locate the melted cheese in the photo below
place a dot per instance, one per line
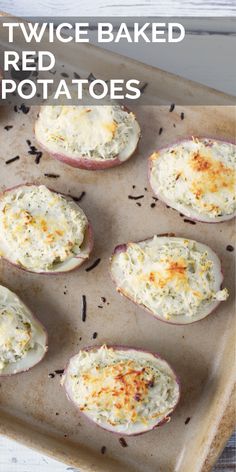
(198, 175)
(173, 277)
(40, 228)
(15, 334)
(124, 389)
(93, 132)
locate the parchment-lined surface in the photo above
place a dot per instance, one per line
(202, 354)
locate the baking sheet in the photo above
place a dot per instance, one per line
(34, 407)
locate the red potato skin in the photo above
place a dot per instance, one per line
(187, 138)
(122, 248)
(81, 260)
(84, 163)
(46, 345)
(125, 348)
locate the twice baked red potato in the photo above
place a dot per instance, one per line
(88, 137)
(23, 339)
(43, 231)
(122, 389)
(177, 280)
(196, 177)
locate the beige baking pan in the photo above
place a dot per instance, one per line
(34, 409)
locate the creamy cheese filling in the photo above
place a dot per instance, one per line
(122, 388)
(171, 276)
(16, 334)
(97, 132)
(197, 174)
(39, 228)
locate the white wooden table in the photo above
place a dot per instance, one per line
(120, 7)
(13, 456)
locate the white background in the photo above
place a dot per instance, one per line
(13, 456)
